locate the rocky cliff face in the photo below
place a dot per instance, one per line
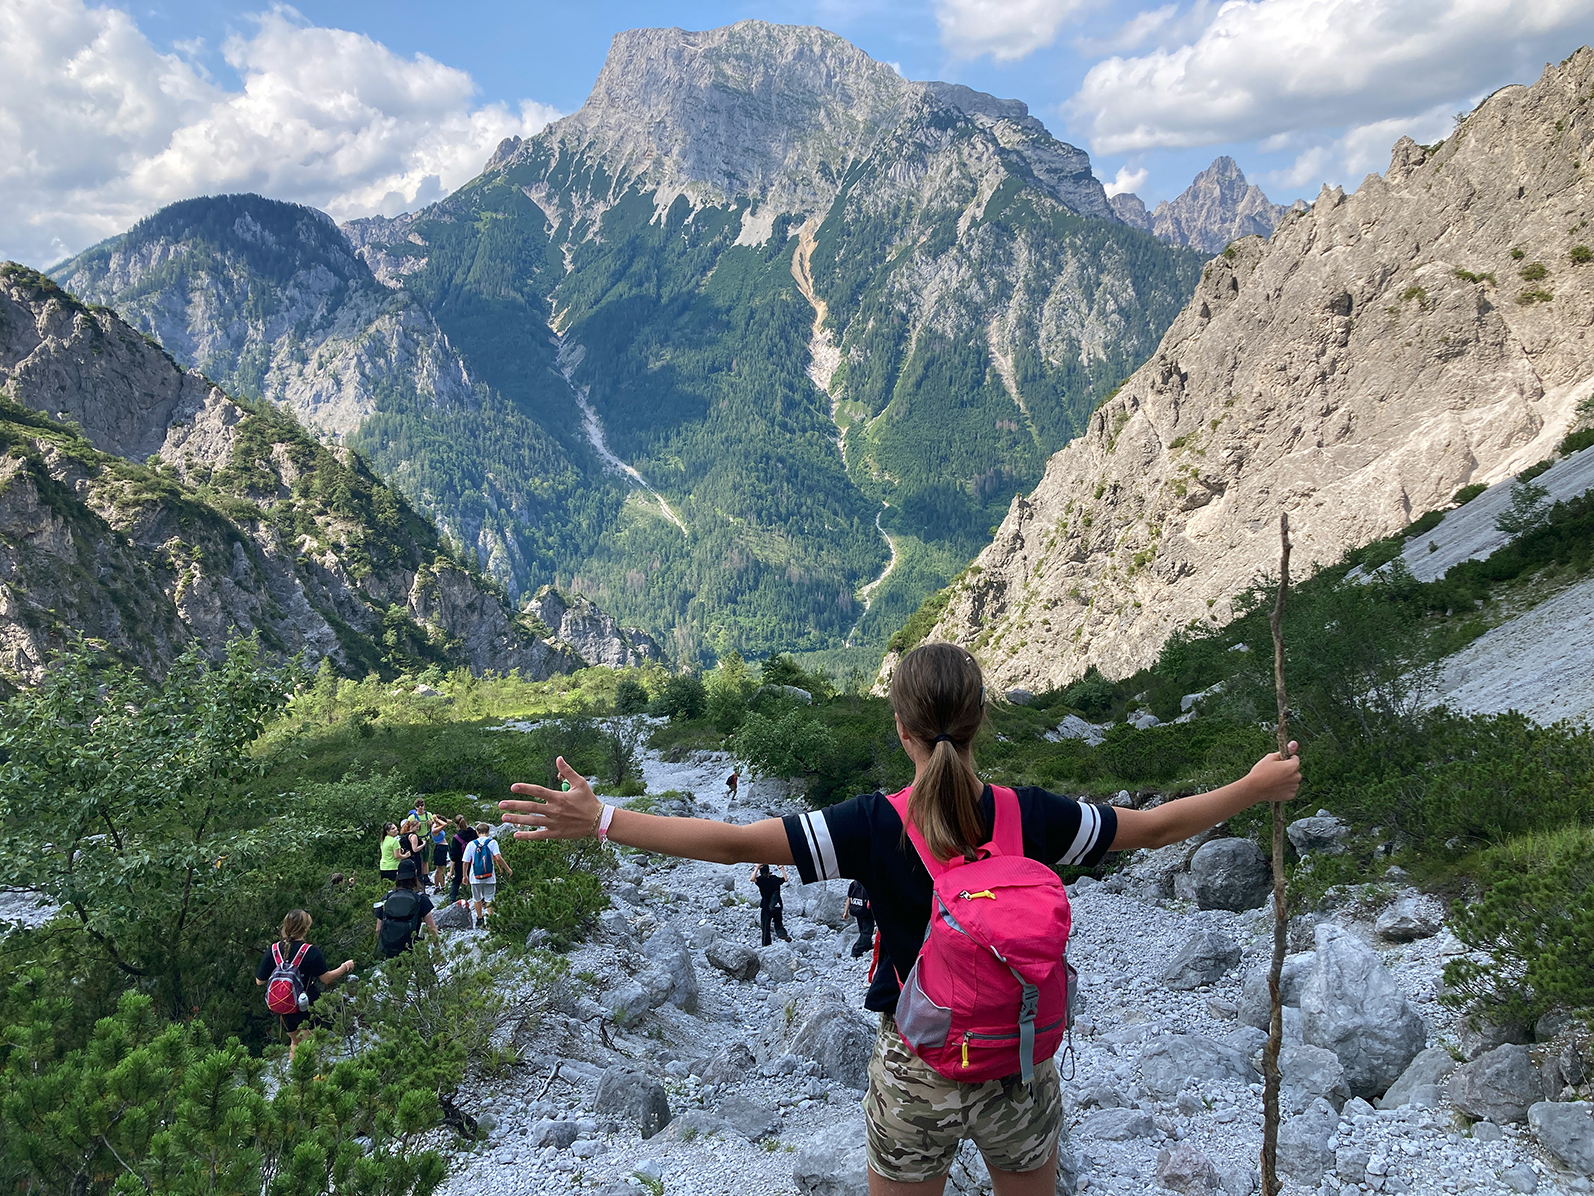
(591, 631)
(1381, 351)
(1219, 206)
(165, 511)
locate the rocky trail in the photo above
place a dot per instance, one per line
(692, 1061)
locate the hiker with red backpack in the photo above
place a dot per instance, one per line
(294, 972)
(972, 985)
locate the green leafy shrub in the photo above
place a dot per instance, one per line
(1581, 255)
(1529, 509)
(1533, 271)
(557, 887)
(1575, 442)
(1534, 470)
(1468, 492)
(683, 698)
(629, 696)
(790, 744)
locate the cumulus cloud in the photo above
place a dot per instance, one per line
(1127, 180)
(1004, 29)
(1360, 150)
(1261, 67)
(98, 128)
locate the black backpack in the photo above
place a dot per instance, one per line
(401, 918)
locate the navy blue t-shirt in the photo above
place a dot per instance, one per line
(862, 840)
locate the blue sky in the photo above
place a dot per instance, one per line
(108, 111)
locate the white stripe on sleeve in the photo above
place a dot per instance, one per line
(819, 842)
(1085, 840)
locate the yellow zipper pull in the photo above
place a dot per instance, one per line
(965, 1050)
(968, 896)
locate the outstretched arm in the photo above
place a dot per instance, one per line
(574, 813)
(1271, 780)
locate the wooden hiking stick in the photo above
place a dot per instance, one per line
(1275, 1025)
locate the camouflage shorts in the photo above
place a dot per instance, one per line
(916, 1117)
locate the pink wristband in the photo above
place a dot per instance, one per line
(603, 823)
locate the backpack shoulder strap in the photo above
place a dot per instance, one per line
(899, 803)
(304, 949)
(276, 954)
(1008, 834)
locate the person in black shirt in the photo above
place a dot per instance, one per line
(938, 695)
(312, 969)
(401, 914)
(770, 906)
(858, 907)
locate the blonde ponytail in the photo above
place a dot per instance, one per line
(938, 694)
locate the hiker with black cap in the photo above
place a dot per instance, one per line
(401, 914)
(858, 907)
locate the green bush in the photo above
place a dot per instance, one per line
(1529, 509)
(1581, 255)
(1534, 271)
(1575, 442)
(684, 698)
(557, 887)
(629, 696)
(147, 1105)
(1468, 492)
(1535, 922)
(787, 745)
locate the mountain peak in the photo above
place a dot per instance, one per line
(778, 113)
(1217, 207)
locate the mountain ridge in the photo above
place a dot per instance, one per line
(1289, 383)
(1217, 207)
(143, 507)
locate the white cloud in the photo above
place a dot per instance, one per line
(1127, 180)
(98, 128)
(1361, 150)
(1262, 67)
(1004, 29)
(1134, 32)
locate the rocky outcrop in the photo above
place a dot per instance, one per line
(1219, 206)
(271, 300)
(166, 512)
(1381, 351)
(591, 631)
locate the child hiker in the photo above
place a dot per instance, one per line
(908, 851)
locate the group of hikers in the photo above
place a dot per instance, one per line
(956, 894)
(294, 972)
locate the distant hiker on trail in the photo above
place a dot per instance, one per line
(387, 862)
(770, 906)
(949, 1063)
(731, 782)
(483, 861)
(858, 907)
(293, 972)
(464, 833)
(401, 914)
(440, 832)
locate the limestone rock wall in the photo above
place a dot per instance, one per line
(1382, 350)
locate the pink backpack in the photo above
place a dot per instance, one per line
(989, 993)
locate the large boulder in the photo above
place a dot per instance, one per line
(1254, 1001)
(736, 960)
(1310, 1072)
(456, 916)
(1411, 917)
(1352, 1006)
(1431, 1068)
(1118, 1125)
(1230, 874)
(548, 1132)
(672, 958)
(634, 1097)
(1322, 834)
(777, 962)
(833, 1162)
(1186, 1170)
(1566, 1130)
(824, 1027)
(731, 1065)
(1499, 1086)
(1303, 1151)
(749, 1118)
(1205, 959)
(1168, 1064)
(826, 904)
